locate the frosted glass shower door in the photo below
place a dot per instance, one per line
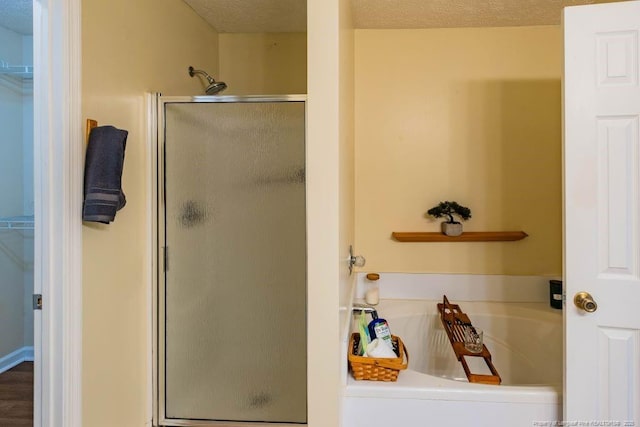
(234, 321)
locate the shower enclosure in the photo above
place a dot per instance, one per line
(231, 291)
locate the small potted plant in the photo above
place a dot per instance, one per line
(449, 209)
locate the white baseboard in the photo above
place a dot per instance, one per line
(24, 354)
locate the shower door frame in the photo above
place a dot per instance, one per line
(157, 123)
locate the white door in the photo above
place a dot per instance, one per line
(602, 212)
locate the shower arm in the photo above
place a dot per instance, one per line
(213, 87)
(193, 72)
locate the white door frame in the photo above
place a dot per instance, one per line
(58, 149)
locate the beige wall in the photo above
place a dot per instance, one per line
(329, 210)
(263, 63)
(471, 115)
(129, 48)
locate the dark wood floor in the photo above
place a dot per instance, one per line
(16, 396)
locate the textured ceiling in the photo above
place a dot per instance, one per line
(17, 15)
(251, 16)
(459, 13)
(272, 16)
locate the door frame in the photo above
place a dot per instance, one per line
(58, 184)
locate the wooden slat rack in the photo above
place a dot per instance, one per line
(455, 321)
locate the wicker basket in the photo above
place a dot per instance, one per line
(377, 369)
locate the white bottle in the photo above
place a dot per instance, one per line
(372, 295)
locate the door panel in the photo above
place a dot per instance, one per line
(618, 350)
(602, 207)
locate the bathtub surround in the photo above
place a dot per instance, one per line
(458, 287)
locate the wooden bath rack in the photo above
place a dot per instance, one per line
(455, 322)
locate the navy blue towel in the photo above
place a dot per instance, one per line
(103, 165)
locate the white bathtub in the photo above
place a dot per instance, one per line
(525, 340)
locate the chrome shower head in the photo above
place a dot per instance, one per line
(214, 87)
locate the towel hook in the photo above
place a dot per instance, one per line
(90, 125)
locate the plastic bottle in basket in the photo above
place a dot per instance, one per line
(379, 328)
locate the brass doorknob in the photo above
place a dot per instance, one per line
(584, 301)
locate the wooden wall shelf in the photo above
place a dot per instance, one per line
(471, 236)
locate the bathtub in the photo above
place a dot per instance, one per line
(525, 340)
